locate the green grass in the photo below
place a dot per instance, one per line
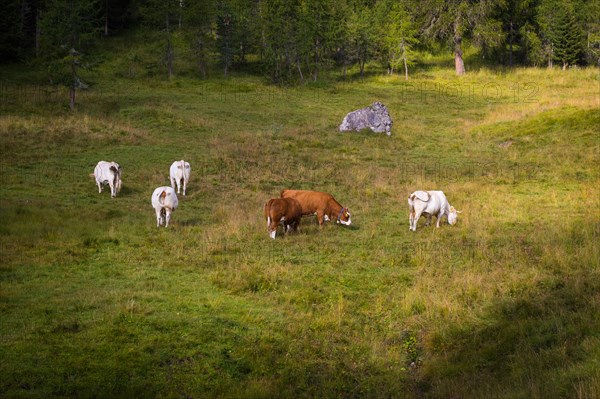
(95, 301)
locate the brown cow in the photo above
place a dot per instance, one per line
(286, 210)
(321, 204)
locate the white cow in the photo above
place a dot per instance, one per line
(430, 203)
(180, 174)
(108, 173)
(164, 202)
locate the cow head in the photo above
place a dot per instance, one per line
(344, 217)
(453, 216)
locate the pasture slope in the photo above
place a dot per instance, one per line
(95, 301)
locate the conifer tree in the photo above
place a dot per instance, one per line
(453, 20)
(163, 15)
(198, 20)
(362, 31)
(399, 37)
(566, 37)
(68, 29)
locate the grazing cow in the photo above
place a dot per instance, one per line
(164, 202)
(285, 210)
(180, 174)
(321, 204)
(430, 203)
(108, 173)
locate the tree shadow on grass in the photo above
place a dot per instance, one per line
(543, 344)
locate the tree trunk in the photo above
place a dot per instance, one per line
(361, 64)
(405, 61)
(170, 58)
(317, 59)
(510, 45)
(106, 18)
(307, 60)
(459, 64)
(169, 50)
(202, 66)
(73, 85)
(299, 70)
(38, 31)
(200, 55)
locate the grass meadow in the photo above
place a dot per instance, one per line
(95, 301)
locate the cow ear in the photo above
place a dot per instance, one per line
(458, 211)
(452, 209)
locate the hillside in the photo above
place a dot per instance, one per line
(96, 301)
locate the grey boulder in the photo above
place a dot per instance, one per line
(375, 117)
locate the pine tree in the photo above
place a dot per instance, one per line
(163, 15)
(361, 34)
(198, 20)
(453, 20)
(399, 37)
(316, 22)
(588, 14)
(280, 31)
(68, 28)
(566, 37)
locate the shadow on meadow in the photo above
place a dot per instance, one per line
(544, 342)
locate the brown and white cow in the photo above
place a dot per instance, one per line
(282, 210)
(321, 204)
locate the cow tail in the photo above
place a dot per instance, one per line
(411, 202)
(115, 175)
(268, 212)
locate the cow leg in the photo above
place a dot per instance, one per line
(273, 230)
(416, 219)
(439, 218)
(411, 219)
(272, 227)
(158, 217)
(184, 186)
(167, 216)
(428, 222)
(99, 186)
(291, 226)
(320, 217)
(112, 190)
(172, 183)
